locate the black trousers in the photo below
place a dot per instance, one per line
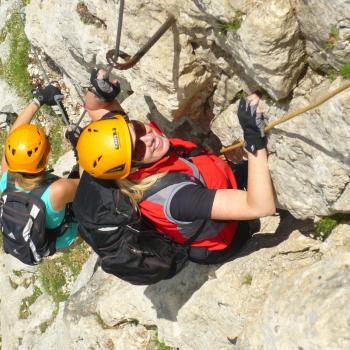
(205, 256)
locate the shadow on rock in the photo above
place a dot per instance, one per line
(287, 225)
(169, 296)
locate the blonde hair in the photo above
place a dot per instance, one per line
(28, 182)
(135, 189)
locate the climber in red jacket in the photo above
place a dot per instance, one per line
(181, 189)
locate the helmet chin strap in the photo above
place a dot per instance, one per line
(137, 165)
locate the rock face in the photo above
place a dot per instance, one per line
(214, 51)
(303, 317)
(284, 290)
(326, 28)
(10, 103)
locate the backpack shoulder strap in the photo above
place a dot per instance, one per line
(170, 179)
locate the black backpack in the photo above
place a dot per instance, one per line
(126, 245)
(22, 219)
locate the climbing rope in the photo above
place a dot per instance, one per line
(292, 115)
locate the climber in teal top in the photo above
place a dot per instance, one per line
(23, 164)
(54, 218)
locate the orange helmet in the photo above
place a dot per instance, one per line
(104, 148)
(27, 149)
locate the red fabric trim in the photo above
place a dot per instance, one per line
(216, 174)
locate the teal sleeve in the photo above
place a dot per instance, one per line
(3, 182)
(53, 217)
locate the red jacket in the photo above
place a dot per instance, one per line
(213, 172)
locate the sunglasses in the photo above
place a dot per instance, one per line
(139, 150)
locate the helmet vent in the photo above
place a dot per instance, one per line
(92, 130)
(116, 169)
(13, 151)
(96, 161)
(36, 149)
(29, 153)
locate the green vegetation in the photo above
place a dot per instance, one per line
(56, 137)
(54, 272)
(3, 135)
(247, 279)
(13, 284)
(231, 26)
(325, 226)
(156, 343)
(14, 71)
(45, 325)
(25, 282)
(333, 36)
(332, 74)
(27, 302)
(239, 95)
(17, 273)
(53, 278)
(101, 322)
(343, 71)
(160, 345)
(76, 257)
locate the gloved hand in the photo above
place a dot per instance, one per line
(102, 87)
(73, 136)
(252, 123)
(47, 95)
(74, 173)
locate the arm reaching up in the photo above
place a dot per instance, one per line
(258, 200)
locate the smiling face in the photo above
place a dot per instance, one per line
(148, 145)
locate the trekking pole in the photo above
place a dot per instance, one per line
(59, 98)
(294, 114)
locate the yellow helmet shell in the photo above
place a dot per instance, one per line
(104, 148)
(27, 149)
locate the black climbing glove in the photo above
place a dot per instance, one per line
(74, 173)
(103, 88)
(252, 123)
(47, 95)
(72, 135)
